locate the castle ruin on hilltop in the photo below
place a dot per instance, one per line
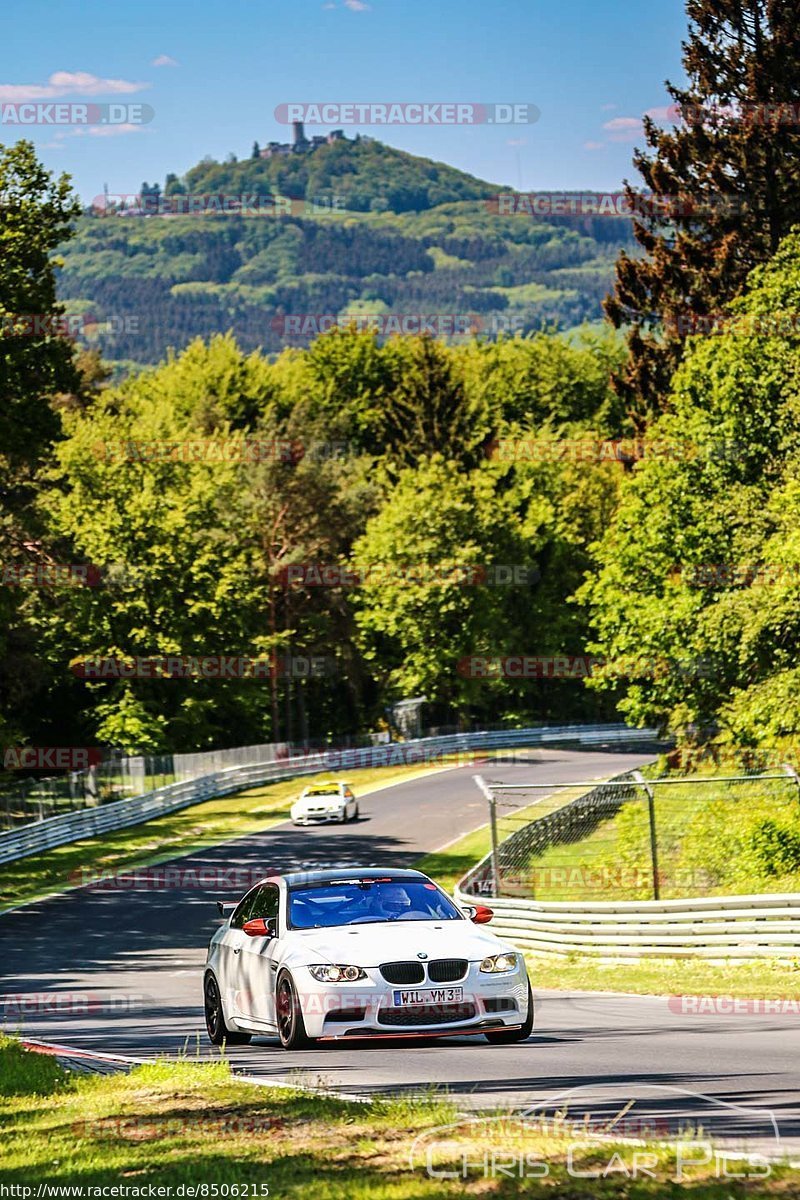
(300, 144)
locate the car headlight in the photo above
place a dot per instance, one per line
(337, 973)
(499, 964)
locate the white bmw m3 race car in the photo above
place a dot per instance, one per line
(360, 954)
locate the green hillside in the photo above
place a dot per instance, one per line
(441, 250)
(361, 176)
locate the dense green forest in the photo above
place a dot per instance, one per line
(402, 236)
(491, 521)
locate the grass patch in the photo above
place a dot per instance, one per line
(173, 1124)
(174, 835)
(762, 979)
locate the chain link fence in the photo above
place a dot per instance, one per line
(633, 838)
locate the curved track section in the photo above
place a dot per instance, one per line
(126, 964)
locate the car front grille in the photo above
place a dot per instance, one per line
(403, 972)
(429, 1014)
(447, 970)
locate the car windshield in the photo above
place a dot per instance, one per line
(323, 791)
(325, 905)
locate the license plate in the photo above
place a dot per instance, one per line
(445, 995)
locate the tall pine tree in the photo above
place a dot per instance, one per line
(725, 184)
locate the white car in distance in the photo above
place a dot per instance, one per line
(321, 803)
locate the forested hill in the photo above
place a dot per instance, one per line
(415, 239)
(361, 176)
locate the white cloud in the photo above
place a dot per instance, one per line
(100, 130)
(164, 60)
(357, 5)
(594, 145)
(624, 129)
(67, 83)
(607, 107)
(619, 123)
(113, 130)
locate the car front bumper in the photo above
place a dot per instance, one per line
(319, 818)
(368, 1009)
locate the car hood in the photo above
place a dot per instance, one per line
(319, 802)
(369, 945)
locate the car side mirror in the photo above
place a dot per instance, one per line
(259, 927)
(479, 914)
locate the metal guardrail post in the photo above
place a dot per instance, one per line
(481, 782)
(790, 771)
(651, 813)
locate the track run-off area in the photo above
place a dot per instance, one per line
(137, 954)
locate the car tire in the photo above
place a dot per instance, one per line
(218, 1032)
(289, 1015)
(505, 1037)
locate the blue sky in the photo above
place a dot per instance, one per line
(214, 73)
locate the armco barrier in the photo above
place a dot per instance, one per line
(710, 927)
(702, 927)
(120, 814)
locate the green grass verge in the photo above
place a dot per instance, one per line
(179, 1124)
(173, 835)
(761, 979)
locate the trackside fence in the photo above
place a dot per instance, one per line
(52, 831)
(576, 872)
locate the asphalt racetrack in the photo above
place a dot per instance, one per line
(138, 955)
